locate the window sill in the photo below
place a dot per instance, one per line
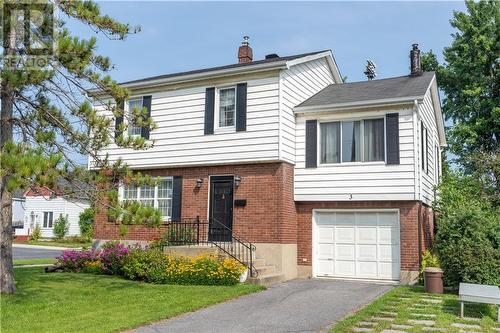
(222, 130)
(351, 164)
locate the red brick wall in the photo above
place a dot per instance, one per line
(268, 217)
(408, 228)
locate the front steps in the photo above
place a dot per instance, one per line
(266, 274)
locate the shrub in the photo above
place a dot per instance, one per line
(86, 220)
(92, 267)
(145, 265)
(37, 233)
(76, 261)
(428, 260)
(113, 255)
(203, 270)
(468, 232)
(61, 227)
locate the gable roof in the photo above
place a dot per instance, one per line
(258, 65)
(403, 88)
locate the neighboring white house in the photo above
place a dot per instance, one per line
(43, 208)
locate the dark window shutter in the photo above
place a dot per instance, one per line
(176, 198)
(426, 151)
(119, 119)
(209, 110)
(392, 137)
(146, 103)
(422, 144)
(311, 143)
(241, 107)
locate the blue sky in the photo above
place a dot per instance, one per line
(178, 36)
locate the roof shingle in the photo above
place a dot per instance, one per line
(365, 91)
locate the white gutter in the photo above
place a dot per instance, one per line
(358, 104)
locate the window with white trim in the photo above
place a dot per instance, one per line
(352, 141)
(226, 114)
(133, 129)
(48, 218)
(158, 196)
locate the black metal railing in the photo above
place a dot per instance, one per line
(212, 232)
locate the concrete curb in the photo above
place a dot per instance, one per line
(43, 247)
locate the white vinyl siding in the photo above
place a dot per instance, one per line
(298, 83)
(357, 181)
(427, 168)
(58, 206)
(179, 137)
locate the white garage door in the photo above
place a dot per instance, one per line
(356, 244)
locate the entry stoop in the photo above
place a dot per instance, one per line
(266, 274)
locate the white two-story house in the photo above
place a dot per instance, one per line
(325, 178)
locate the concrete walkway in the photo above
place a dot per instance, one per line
(294, 306)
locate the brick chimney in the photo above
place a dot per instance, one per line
(415, 68)
(245, 53)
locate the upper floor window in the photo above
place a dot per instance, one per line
(352, 141)
(48, 219)
(227, 107)
(136, 104)
(159, 196)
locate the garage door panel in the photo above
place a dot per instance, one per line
(357, 244)
(325, 234)
(367, 269)
(325, 267)
(387, 219)
(345, 251)
(344, 234)
(325, 218)
(388, 252)
(364, 219)
(367, 252)
(367, 235)
(345, 268)
(388, 235)
(345, 219)
(326, 251)
(388, 270)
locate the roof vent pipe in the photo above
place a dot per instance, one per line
(415, 68)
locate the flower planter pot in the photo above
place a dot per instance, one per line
(433, 280)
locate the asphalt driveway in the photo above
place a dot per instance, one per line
(295, 306)
(19, 252)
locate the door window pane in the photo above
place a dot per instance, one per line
(374, 140)
(227, 107)
(351, 141)
(330, 142)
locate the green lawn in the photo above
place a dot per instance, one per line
(404, 304)
(68, 302)
(38, 261)
(59, 243)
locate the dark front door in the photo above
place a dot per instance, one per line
(221, 208)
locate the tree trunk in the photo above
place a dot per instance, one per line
(6, 268)
(7, 285)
